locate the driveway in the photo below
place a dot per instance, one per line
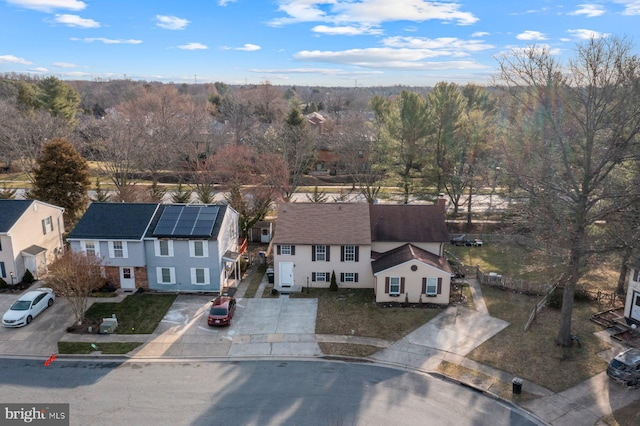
(42, 335)
(260, 327)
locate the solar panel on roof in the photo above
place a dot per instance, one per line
(187, 221)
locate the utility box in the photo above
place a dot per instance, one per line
(108, 325)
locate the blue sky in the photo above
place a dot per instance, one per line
(295, 42)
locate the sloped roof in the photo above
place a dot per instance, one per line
(222, 211)
(10, 212)
(114, 221)
(323, 223)
(405, 253)
(408, 223)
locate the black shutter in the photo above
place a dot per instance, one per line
(635, 275)
(355, 277)
(402, 285)
(439, 285)
(341, 277)
(328, 251)
(424, 286)
(357, 253)
(278, 249)
(313, 253)
(341, 253)
(313, 276)
(386, 285)
(293, 250)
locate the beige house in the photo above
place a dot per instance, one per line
(397, 250)
(632, 303)
(30, 237)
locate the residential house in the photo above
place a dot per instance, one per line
(632, 303)
(176, 247)
(30, 237)
(397, 250)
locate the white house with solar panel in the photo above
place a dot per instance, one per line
(173, 247)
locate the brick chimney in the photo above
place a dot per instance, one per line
(442, 203)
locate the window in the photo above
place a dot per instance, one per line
(394, 285)
(47, 225)
(200, 276)
(118, 249)
(90, 248)
(3, 271)
(322, 277)
(164, 248)
(349, 277)
(166, 275)
(286, 249)
(320, 253)
(432, 286)
(198, 248)
(126, 273)
(349, 253)
(635, 275)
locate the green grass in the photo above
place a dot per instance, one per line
(136, 314)
(105, 348)
(533, 354)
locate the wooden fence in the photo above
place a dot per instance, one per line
(536, 310)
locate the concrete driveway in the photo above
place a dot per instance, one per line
(42, 335)
(260, 327)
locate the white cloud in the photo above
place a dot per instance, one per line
(480, 34)
(106, 40)
(171, 22)
(346, 30)
(631, 7)
(225, 2)
(589, 10)
(408, 59)
(322, 71)
(583, 34)
(531, 35)
(76, 21)
(249, 47)
(447, 45)
(343, 12)
(49, 5)
(39, 70)
(64, 65)
(13, 60)
(193, 46)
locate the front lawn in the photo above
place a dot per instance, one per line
(136, 314)
(106, 347)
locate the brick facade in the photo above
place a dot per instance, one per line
(112, 274)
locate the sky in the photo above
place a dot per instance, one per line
(345, 43)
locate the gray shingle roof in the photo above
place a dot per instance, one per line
(114, 221)
(10, 212)
(405, 253)
(323, 223)
(408, 223)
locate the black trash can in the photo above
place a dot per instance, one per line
(270, 275)
(517, 385)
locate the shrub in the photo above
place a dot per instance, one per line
(28, 278)
(334, 283)
(3, 284)
(406, 299)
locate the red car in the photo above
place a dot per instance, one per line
(222, 311)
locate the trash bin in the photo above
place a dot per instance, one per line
(270, 275)
(517, 385)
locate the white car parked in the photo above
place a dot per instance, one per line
(28, 306)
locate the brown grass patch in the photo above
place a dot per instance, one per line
(354, 312)
(533, 354)
(347, 349)
(625, 416)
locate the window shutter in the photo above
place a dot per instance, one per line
(328, 250)
(341, 277)
(194, 278)
(439, 285)
(635, 275)
(44, 228)
(293, 250)
(386, 285)
(341, 253)
(278, 249)
(313, 253)
(402, 285)
(357, 253)
(355, 277)
(313, 276)
(424, 286)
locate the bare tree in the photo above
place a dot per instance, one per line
(584, 119)
(75, 276)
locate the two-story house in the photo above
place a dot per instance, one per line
(176, 247)
(632, 303)
(30, 237)
(397, 250)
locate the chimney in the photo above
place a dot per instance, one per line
(442, 203)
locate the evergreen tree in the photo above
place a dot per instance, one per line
(333, 286)
(101, 196)
(62, 178)
(181, 196)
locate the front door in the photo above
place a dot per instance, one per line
(127, 278)
(286, 274)
(635, 306)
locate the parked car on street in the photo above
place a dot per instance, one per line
(462, 240)
(222, 310)
(625, 367)
(28, 306)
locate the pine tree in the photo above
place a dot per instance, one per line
(333, 286)
(181, 196)
(102, 196)
(62, 178)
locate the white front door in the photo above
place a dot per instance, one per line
(286, 274)
(127, 278)
(635, 306)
